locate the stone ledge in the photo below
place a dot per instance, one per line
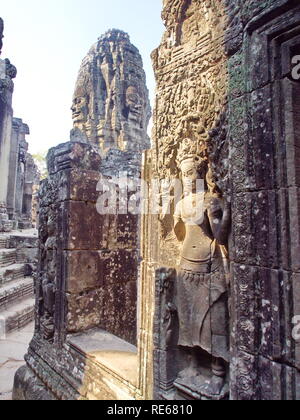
(19, 315)
(109, 351)
(12, 272)
(16, 291)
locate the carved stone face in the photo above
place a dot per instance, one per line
(134, 104)
(189, 173)
(80, 109)
(192, 171)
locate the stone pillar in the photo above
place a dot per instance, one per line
(15, 184)
(264, 161)
(7, 73)
(70, 229)
(21, 169)
(191, 72)
(31, 181)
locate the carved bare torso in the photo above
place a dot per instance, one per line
(198, 246)
(201, 286)
(192, 226)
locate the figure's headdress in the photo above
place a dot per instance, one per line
(192, 150)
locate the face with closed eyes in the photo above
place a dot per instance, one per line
(134, 104)
(192, 172)
(189, 171)
(80, 109)
(189, 175)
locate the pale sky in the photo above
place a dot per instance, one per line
(47, 39)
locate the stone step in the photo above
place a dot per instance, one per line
(11, 273)
(7, 257)
(15, 292)
(18, 315)
(3, 241)
(26, 239)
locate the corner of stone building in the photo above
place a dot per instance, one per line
(27, 387)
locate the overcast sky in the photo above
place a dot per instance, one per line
(47, 39)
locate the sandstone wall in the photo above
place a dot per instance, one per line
(223, 72)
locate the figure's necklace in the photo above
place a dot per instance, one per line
(195, 197)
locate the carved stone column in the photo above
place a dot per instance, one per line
(7, 73)
(16, 170)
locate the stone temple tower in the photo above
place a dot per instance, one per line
(111, 106)
(90, 253)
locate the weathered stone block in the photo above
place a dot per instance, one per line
(239, 138)
(73, 155)
(297, 386)
(166, 376)
(264, 229)
(78, 185)
(269, 310)
(252, 8)
(244, 323)
(296, 313)
(127, 231)
(82, 226)
(244, 377)
(17, 241)
(255, 229)
(290, 152)
(294, 227)
(270, 376)
(261, 145)
(237, 69)
(83, 185)
(84, 310)
(85, 271)
(286, 315)
(283, 234)
(119, 310)
(102, 288)
(258, 71)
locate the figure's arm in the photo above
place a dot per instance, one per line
(179, 227)
(220, 220)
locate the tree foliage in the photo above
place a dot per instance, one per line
(41, 162)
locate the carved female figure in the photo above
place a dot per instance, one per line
(202, 222)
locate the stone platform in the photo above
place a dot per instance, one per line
(12, 351)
